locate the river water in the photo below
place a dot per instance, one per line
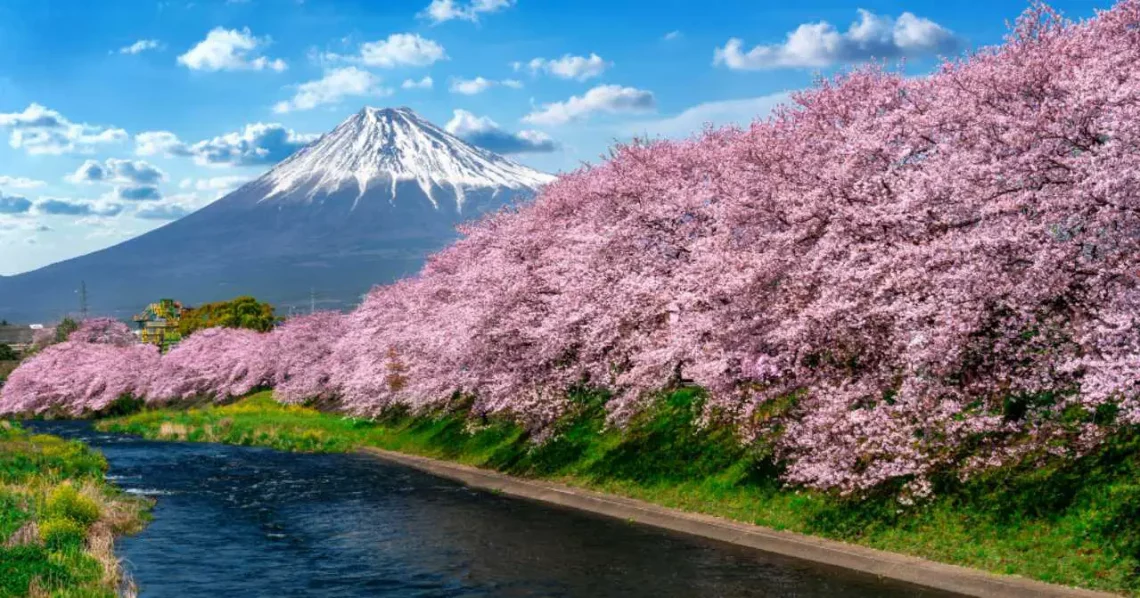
(246, 522)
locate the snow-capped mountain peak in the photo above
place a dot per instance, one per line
(365, 204)
(382, 147)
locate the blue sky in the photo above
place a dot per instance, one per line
(116, 117)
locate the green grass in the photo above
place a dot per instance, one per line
(1073, 524)
(58, 518)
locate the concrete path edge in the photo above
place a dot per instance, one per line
(898, 567)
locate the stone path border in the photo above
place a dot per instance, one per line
(908, 569)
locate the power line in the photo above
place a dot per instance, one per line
(83, 300)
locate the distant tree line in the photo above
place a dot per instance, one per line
(64, 329)
(240, 312)
(7, 353)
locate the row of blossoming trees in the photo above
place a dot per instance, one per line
(934, 275)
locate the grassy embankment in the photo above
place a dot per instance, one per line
(59, 517)
(1073, 525)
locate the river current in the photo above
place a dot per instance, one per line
(248, 522)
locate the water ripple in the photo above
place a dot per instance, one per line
(239, 521)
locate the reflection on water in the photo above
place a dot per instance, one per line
(238, 521)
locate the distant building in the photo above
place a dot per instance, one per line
(158, 323)
(17, 337)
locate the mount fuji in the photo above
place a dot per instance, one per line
(364, 204)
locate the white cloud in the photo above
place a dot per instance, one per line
(190, 199)
(132, 180)
(579, 68)
(671, 36)
(401, 49)
(140, 46)
(88, 172)
(336, 85)
(470, 87)
(173, 207)
(221, 185)
(398, 50)
(14, 204)
(19, 182)
(230, 50)
(446, 10)
(610, 99)
(512, 83)
(22, 223)
(141, 193)
(39, 130)
(7, 224)
(56, 206)
(486, 133)
(104, 228)
(821, 44)
(119, 172)
(425, 83)
(256, 145)
(162, 211)
(160, 143)
(693, 120)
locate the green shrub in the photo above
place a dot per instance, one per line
(64, 329)
(10, 430)
(66, 502)
(61, 534)
(7, 353)
(48, 457)
(122, 406)
(12, 513)
(19, 565)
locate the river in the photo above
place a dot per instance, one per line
(243, 522)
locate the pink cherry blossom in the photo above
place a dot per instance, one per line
(944, 272)
(106, 331)
(215, 363)
(302, 347)
(76, 378)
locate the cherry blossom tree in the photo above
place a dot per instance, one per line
(216, 363)
(100, 362)
(105, 331)
(77, 378)
(302, 347)
(931, 276)
(927, 264)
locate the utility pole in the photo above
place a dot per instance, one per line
(82, 300)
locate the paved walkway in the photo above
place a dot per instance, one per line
(908, 569)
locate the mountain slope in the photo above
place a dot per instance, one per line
(395, 145)
(362, 205)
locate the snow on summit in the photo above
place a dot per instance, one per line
(364, 204)
(381, 147)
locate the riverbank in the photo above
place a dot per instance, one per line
(1068, 526)
(59, 518)
(883, 565)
